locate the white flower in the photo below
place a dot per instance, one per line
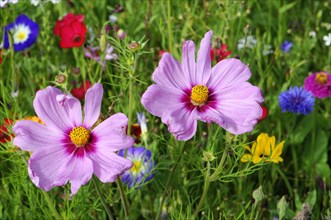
(267, 49)
(312, 34)
(55, 1)
(248, 42)
(35, 2)
(327, 39)
(21, 33)
(113, 18)
(13, 1)
(3, 3)
(142, 122)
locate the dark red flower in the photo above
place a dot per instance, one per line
(219, 54)
(264, 113)
(71, 30)
(79, 93)
(4, 133)
(0, 57)
(136, 132)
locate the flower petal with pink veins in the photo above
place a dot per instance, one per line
(181, 122)
(188, 61)
(31, 136)
(158, 99)
(111, 134)
(92, 105)
(169, 74)
(108, 166)
(50, 166)
(228, 72)
(50, 111)
(235, 115)
(203, 72)
(81, 172)
(72, 106)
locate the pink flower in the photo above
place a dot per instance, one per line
(94, 53)
(319, 84)
(68, 147)
(191, 91)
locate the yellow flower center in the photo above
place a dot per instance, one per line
(199, 95)
(321, 78)
(136, 167)
(21, 35)
(79, 136)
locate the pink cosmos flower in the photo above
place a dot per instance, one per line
(68, 147)
(319, 84)
(191, 91)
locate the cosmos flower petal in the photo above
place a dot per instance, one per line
(108, 166)
(169, 74)
(72, 106)
(158, 98)
(31, 136)
(92, 105)
(49, 168)
(111, 134)
(228, 72)
(204, 61)
(188, 61)
(81, 172)
(181, 122)
(240, 116)
(50, 111)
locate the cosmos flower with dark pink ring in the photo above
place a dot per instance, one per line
(68, 147)
(192, 90)
(319, 84)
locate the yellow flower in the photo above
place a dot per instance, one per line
(264, 149)
(33, 118)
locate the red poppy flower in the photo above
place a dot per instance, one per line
(71, 30)
(264, 113)
(79, 93)
(136, 132)
(219, 54)
(4, 133)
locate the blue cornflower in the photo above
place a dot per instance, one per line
(286, 46)
(24, 32)
(296, 100)
(142, 168)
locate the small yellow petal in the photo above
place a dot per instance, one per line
(246, 158)
(256, 159)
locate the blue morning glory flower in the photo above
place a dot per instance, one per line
(142, 169)
(286, 46)
(296, 100)
(23, 31)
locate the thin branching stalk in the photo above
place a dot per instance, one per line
(102, 199)
(123, 198)
(51, 205)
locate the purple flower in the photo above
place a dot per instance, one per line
(191, 91)
(286, 46)
(142, 168)
(24, 32)
(296, 100)
(319, 84)
(68, 147)
(94, 53)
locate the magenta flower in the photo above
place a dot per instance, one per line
(319, 84)
(94, 53)
(191, 91)
(68, 147)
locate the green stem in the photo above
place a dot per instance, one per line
(103, 201)
(167, 186)
(169, 26)
(220, 167)
(51, 206)
(123, 198)
(204, 193)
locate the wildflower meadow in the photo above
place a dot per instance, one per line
(165, 109)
